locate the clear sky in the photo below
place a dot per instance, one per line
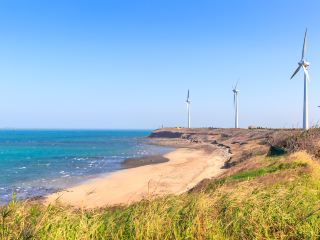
(128, 64)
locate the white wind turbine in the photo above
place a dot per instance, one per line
(304, 65)
(188, 109)
(236, 105)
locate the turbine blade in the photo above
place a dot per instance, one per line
(304, 47)
(188, 96)
(296, 71)
(236, 85)
(234, 101)
(306, 72)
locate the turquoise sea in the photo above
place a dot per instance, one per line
(37, 162)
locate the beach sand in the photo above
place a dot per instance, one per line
(182, 169)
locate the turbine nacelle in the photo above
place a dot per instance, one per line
(234, 88)
(304, 63)
(235, 91)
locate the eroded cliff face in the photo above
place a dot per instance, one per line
(241, 143)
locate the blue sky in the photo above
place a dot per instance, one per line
(128, 64)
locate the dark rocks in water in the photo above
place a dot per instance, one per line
(147, 160)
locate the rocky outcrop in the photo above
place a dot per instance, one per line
(165, 134)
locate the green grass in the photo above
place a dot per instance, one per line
(269, 169)
(254, 173)
(240, 206)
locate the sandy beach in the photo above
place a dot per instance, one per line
(182, 170)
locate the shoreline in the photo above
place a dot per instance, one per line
(129, 163)
(175, 172)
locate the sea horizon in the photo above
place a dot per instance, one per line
(77, 129)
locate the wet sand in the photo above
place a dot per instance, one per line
(175, 172)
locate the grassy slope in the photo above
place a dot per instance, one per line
(278, 198)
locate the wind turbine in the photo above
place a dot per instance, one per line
(304, 65)
(188, 109)
(235, 105)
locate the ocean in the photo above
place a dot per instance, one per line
(37, 162)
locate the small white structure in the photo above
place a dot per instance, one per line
(188, 109)
(236, 105)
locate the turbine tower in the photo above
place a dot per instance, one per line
(236, 105)
(304, 65)
(188, 109)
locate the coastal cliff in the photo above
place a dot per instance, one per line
(242, 144)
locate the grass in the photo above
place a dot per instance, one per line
(269, 169)
(280, 200)
(254, 173)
